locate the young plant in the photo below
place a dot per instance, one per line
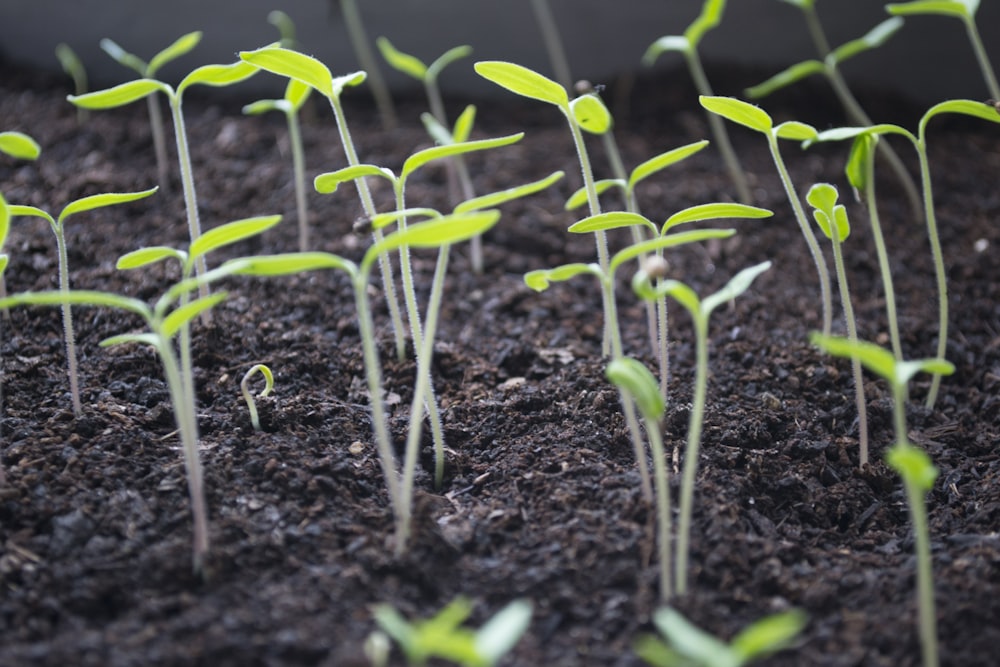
(635, 381)
(700, 310)
(829, 66)
(285, 27)
(443, 636)
(984, 111)
(148, 70)
(553, 42)
(366, 59)
(832, 219)
(755, 118)
(911, 462)
(248, 396)
(965, 10)
(434, 233)
(57, 224)
(296, 94)
(313, 73)
(126, 93)
(73, 66)
(687, 45)
(687, 645)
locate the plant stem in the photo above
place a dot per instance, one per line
(67, 318)
(159, 142)
(941, 278)
(661, 476)
(811, 242)
(299, 169)
(984, 60)
(883, 257)
(190, 195)
(925, 576)
(362, 49)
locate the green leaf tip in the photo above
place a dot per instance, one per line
(738, 111)
(523, 81)
(637, 380)
(19, 145)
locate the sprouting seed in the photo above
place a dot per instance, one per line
(248, 396)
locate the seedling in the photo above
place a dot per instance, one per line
(126, 93)
(366, 59)
(315, 74)
(700, 310)
(687, 645)
(296, 94)
(832, 219)
(57, 224)
(148, 70)
(635, 380)
(285, 27)
(687, 45)
(828, 66)
(984, 111)
(553, 42)
(434, 233)
(73, 66)
(248, 396)
(755, 118)
(911, 462)
(965, 10)
(443, 636)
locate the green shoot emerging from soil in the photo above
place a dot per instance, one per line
(832, 219)
(755, 118)
(248, 396)
(296, 94)
(444, 637)
(700, 310)
(148, 70)
(687, 645)
(57, 224)
(911, 462)
(687, 44)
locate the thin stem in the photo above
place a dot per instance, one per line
(366, 58)
(811, 242)
(190, 195)
(662, 505)
(852, 335)
(553, 43)
(984, 60)
(299, 169)
(883, 257)
(925, 575)
(663, 351)
(159, 141)
(941, 278)
(719, 132)
(67, 317)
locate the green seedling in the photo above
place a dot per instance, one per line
(434, 233)
(296, 94)
(528, 83)
(541, 280)
(755, 118)
(635, 381)
(315, 74)
(285, 27)
(425, 74)
(828, 66)
(963, 107)
(22, 147)
(965, 10)
(248, 396)
(366, 59)
(57, 224)
(553, 42)
(126, 93)
(445, 637)
(687, 645)
(148, 70)
(911, 462)
(73, 66)
(832, 219)
(700, 310)
(687, 45)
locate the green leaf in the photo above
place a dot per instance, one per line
(101, 201)
(796, 131)
(76, 298)
(842, 133)
(331, 180)
(4, 222)
(294, 65)
(404, 62)
(961, 10)
(736, 286)
(123, 57)
(453, 54)
(123, 339)
(393, 624)
(146, 256)
(804, 5)
(295, 262)
(500, 634)
(17, 210)
(691, 641)
(655, 652)
(711, 14)
(876, 359)
(913, 465)
(231, 232)
(264, 370)
(875, 38)
(973, 108)
(382, 220)
(662, 161)
(120, 95)
(69, 61)
(19, 145)
(4, 261)
(523, 81)
(785, 78)
(714, 212)
(856, 168)
(218, 75)
(611, 220)
(822, 196)
(497, 198)
(263, 106)
(463, 124)
(421, 158)
(580, 197)
(738, 111)
(296, 93)
(768, 635)
(434, 233)
(285, 26)
(182, 315)
(590, 114)
(540, 279)
(829, 215)
(663, 242)
(439, 133)
(181, 46)
(638, 382)
(664, 44)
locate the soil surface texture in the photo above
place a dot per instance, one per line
(541, 497)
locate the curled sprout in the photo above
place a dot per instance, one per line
(248, 397)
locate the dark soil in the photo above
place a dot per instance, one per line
(541, 498)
